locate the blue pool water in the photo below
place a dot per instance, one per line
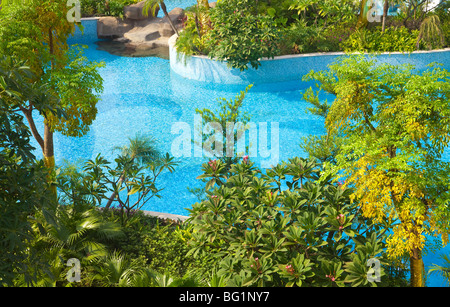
(142, 95)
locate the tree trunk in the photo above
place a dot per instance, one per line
(49, 154)
(385, 12)
(164, 9)
(29, 116)
(416, 268)
(114, 194)
(362, 18)
(49, 157)
(203, 3)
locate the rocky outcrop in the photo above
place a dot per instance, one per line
(113, 27)
(135, 11)
(139, 33)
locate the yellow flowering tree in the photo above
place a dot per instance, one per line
(393, 124)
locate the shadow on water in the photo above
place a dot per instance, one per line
(122, 49)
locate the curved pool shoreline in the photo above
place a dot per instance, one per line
(284, 68)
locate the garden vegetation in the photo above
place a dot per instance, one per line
(374, 187)
(241, 32)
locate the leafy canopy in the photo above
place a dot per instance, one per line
(394, 126)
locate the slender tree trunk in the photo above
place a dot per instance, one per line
(122, 178)
(385, 12)
(362, 18)
(416, 268)
(114, 194)
(49, 154)
(203, 3)
(31, 123)
(415, 260)
(164, 9)
(202, 9)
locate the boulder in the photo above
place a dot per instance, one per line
(134, 11)
(144, 34)
(112, 27)
(166, 30)
(212, 4)
(139, 37)
(176, 15)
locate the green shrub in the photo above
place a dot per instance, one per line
(393, 39)
(190, 42)
(161, 243)
(104, 7)
(308, 234)
(240, 35)
(299, 37)
(443, 11)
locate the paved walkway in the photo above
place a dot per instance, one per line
(174, 217)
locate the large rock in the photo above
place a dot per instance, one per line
(176, 15)
(139, 36)
(134, 11)
(112, 27)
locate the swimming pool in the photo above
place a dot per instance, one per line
(143, 95)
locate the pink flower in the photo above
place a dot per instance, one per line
(245, 158)
(213, 164)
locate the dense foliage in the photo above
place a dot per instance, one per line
(294, 224)
(242, 32)
(393, 127)
(104, 7)
(256, 233)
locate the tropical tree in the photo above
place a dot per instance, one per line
(23, 187)
(202, 16)
(38, 32)
(393, 125)
(131, 183)
(141, 150)
(442, 270)
(71, 231)
(152, 5)
(115, 270)
(385, 12)
(225, 129)
(431, 33)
